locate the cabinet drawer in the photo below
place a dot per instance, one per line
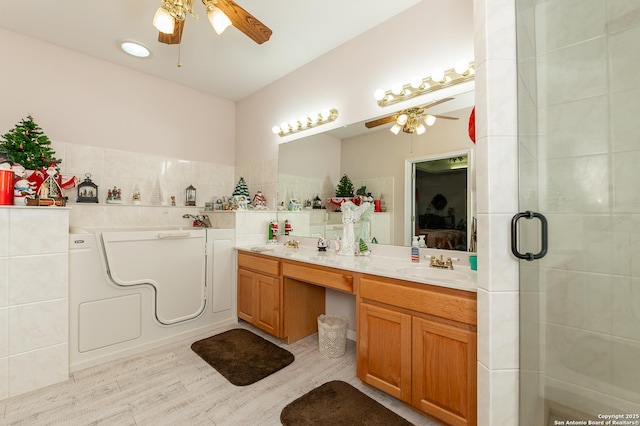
(325, 277)
(456, 305)
(259, 263)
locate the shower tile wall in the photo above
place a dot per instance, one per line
(588, 154)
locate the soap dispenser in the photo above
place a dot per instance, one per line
(415, 250)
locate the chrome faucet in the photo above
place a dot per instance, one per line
(201, 220)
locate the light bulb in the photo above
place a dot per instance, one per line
(429, 120)
(294, 125)
(420, 129)
(325, 114)
(275, 130)
(396, 88)
(415, 82)
(461, 67)
(163, 21)
(284, 128)
(437, 75)
(395, 129)
(402, 119)
(303, 121)
(379, 94)
(218, 20)
(313, 117)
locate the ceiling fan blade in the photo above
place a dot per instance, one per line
(438, 102)
(381, 121)
(174, 38)
(244, 21)
(446, 118)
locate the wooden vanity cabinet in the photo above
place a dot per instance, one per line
(418, 343)
(259, 292)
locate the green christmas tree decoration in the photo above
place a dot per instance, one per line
(345, 187)
(28, 146)
(363, 246)
(241, 188)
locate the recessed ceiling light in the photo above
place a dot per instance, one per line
(134, 48)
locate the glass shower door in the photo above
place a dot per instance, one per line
(579, 159)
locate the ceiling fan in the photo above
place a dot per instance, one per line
(410, 120)
(170, 17)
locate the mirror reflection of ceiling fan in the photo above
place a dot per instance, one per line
(170, 17)
(411, 120)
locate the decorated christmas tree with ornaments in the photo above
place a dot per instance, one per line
(28, 146)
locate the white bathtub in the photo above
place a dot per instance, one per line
(134, 289)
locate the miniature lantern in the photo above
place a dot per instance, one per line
(190, 196)
(87, 191)
(317, 202)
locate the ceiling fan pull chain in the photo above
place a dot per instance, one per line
(179, 64)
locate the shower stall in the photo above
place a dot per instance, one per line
(579, 159)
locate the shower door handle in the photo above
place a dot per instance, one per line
(514, 235)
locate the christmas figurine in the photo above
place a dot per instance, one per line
(259, 201)
(240, 196)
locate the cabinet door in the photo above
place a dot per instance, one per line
(444, 371)
(246, 299)
(384, 350)
(267, 293)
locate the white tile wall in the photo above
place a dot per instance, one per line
(497, 199)
(128, 170)
(33, 298)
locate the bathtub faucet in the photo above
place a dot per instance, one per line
(201, 220)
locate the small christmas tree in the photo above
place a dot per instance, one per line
(241, 188)
(345, 187)
(28, 145)
(363, 246)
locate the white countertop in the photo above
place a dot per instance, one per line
(460, 278)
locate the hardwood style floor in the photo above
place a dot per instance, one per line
(173, 386)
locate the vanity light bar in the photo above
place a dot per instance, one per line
(306, 122)
(461, 73)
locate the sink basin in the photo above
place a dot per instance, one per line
(429, 272)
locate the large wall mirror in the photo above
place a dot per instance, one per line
(376, 160)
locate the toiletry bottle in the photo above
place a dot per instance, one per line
(415, 250)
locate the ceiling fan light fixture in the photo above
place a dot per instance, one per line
(395, 129)
(429, 120)
(219, 21)
(163, 21)
(420, 129)
(402, 119)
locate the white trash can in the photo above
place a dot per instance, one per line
(332, 335)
